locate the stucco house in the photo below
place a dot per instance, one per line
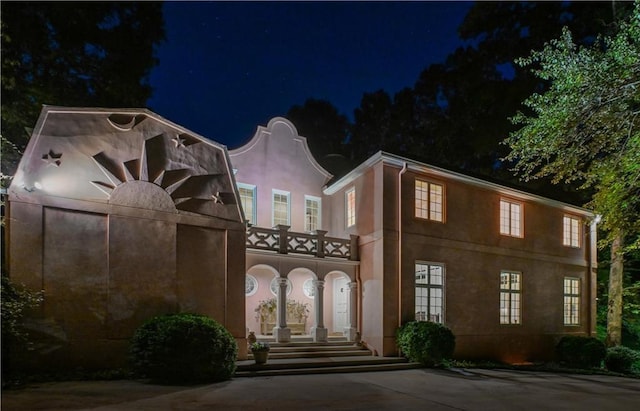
(119, 215)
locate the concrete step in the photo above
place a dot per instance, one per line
(316, 348)
(322, 365)
(317, 354)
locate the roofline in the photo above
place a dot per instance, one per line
(413, 165)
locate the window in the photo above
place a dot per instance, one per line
(571, 301)
(350, 202)
(248, 199)
(311, 213)
(429, 296)
(510, 218)
(250, 285)
(308, 288)
(510, 287)
(571, 231)
(280, 207)
(429, 200)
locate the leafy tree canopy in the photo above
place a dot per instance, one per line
(73, 54)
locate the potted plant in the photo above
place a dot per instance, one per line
(260, 351)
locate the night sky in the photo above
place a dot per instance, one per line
(227, 67)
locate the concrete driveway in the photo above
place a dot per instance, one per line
(421, 389)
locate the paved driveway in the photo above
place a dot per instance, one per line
(421, 389)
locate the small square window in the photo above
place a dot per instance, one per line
(429, 199)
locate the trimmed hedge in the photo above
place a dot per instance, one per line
(621, 359)
(183, 348)
(426, 342)
(580, 352)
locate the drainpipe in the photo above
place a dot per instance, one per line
(592, 256)
(404, 169)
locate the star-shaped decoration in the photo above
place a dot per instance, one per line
(217, 198)
(178, 141)
(52, 159)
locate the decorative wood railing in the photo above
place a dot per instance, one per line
(283, 241)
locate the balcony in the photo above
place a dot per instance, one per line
(283, 241)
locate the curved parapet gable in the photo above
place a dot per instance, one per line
(125, 157)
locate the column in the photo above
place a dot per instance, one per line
(319, 332)
(351, 330)
(280, 332)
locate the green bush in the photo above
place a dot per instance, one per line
(183, 348)
(578, 351)
(621, 359)
(426, 342)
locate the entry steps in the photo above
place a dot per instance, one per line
(303, 357)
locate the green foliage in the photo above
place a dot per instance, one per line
(15, 303)
(426, 342)
(183, 348)
(621, 359)
(260, 346)
(578, 351)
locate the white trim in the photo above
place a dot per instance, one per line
(275, 191)
(319, 201)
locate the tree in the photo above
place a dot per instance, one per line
(584, 128)
(73, 54)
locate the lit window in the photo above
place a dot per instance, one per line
(311, 213)
(571, 301)
(248, 200)
(429, 294)
(429, 200)
(250, 285)
(571, 231)
(510, 287)
(510, 218)
(350, 200)
(280, 208)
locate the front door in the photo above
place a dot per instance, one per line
(340, 304)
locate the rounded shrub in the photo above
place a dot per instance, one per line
(621, 359)
(426, 342)
(183, 348)
(580, 351)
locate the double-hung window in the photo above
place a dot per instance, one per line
(510, 293)
(350, 206)
(571, 301)
(571, 231)
(511, 218)
(429, 304)
(248, 200)
(429, 200)
(281, 207)
(312, 207)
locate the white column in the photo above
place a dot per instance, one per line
(318, 331)
(351, 330)
(280, 332)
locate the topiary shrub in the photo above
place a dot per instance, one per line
(621, 359)
(426, 342)
(183, 348)
(579, 351)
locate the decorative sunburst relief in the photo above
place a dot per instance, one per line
(146, 182)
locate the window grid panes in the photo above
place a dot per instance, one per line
(571, 231)
(312, 214)
(350, 199)
(280, 208)
(429, 199)
(510, 218)
(248, 201)
(571, 301)
(510, 291)
(429, 302)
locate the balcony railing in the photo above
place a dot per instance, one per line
(283, 241)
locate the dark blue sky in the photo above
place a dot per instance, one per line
(228, 67)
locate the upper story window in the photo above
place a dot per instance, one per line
(571, 301)
(571, 231)
(350, 204)
(429, 303)
(510, 289)
(312, 207)
(429, 200)
(511, 221)
(248, 199)
(281, 207)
